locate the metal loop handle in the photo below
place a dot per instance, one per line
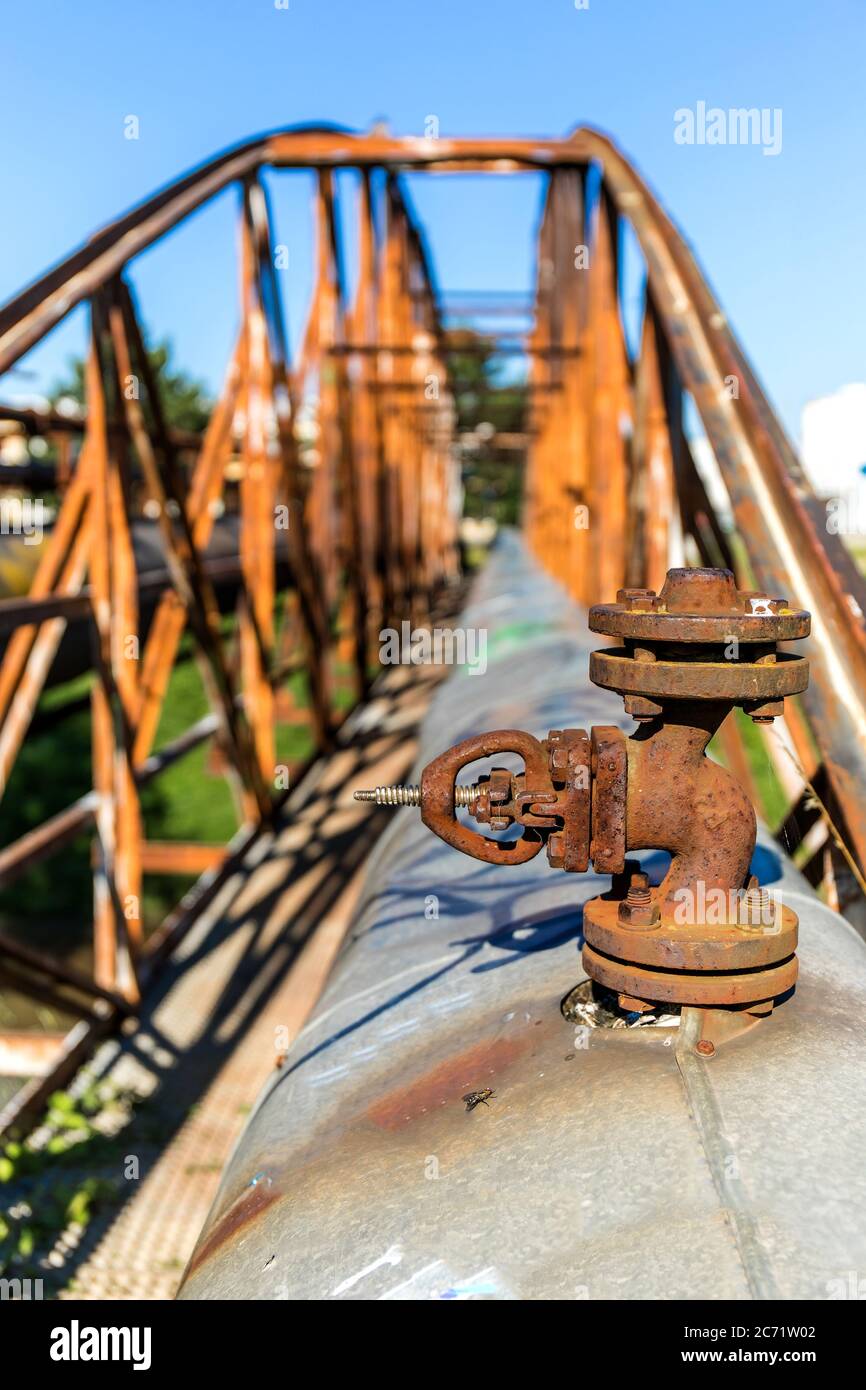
(438, 794)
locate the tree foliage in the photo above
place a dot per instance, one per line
(185, 401)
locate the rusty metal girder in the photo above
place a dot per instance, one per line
(399, 479)
(775, 510)
(373, 524)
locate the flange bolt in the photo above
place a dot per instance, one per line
(757, 910)
(637, 908)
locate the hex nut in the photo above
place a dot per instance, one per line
(640, 599)
(556, 851)
(638, 915)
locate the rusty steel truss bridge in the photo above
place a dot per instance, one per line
(362, 531)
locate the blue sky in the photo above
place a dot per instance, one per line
(780, 237)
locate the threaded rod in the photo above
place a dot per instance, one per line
(411, 795)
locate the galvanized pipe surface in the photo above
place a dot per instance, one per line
(609, 1163)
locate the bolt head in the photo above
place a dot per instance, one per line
(641, 708)
(556, 851)
(637, 909)
(637, 599)
(705, 1048)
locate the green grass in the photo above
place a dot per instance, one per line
(52, 770)
(187, 801)
(61, 1184)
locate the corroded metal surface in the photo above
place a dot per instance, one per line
(609, 799)
(570, 756)
(438, 794)
(683, 802)
(654, 623)
(589, 391)
(701, 989)
(610, 1163)
(706, 680)
(662, 658)
(595, 796)
(715, 946)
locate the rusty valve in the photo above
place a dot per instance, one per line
(688, 655)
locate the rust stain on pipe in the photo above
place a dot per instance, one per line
(446, 1082)
(252, 1204)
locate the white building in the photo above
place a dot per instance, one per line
(834, 456)
(834, 440)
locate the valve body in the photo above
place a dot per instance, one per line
(706, 935)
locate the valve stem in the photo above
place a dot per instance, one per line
(411, 795)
